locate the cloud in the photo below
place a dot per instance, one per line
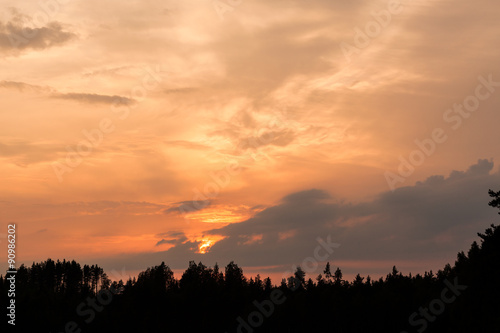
(96, 98)
(108, 71)
(96, 208)
(274, 138)
(247, 131)
(434, 218)
(164, 241)
(174, 234)
(180, 90)
(295, 211)
(188, 206)
(172, 238)
(21, 86)
(79, 97)
(19, 35)
(24, 154)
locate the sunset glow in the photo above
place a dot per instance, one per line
(205, 246)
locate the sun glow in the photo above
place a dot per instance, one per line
(205, 246)
(205, 243)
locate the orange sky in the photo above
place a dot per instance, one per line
(116, 117)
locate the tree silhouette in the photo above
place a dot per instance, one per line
(496, 199)
(337, 277)
(328, 274)
(205, 299)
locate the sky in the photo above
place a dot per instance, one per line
(274, 134)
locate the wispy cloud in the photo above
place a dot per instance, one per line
(172, 238)
(188, 206)
(22, 87)
(73, 96)
(96, 98)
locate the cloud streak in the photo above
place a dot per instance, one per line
(188, 206)
(96, 98)
(22, 87)
(87, 98)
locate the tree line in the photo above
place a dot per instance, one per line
(63, 296)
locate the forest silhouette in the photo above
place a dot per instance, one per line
(64, 296)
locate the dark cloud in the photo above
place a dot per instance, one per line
(294, 213)
(435, 218)
(172, 238)
(165, 241)
(20, 34)
(174, 234)
(306, 197)
(96, 98)
(275, 138)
